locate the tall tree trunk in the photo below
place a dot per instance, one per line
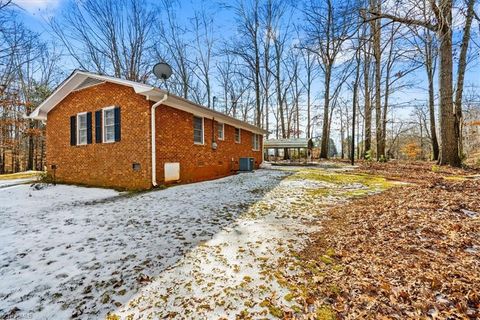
(342, 136)
(430, 62)
(384, 113)
(309, 112)
(462, 64)
(431, 108)
(326, 103)
(31, 151)
(2, 161)
(449, 147)
(368, 106)
(377, 54)
(354, 114)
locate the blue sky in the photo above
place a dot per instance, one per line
(36, 12)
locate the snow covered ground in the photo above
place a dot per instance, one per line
(13, 182)
(204, 250)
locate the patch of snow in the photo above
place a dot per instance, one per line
(203, 250)
(14, 182)
(69, 250)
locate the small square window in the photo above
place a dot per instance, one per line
(197, 130)
(136, 166)
(220, 131)
(237, 135)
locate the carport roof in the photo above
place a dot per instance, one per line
(288, 143)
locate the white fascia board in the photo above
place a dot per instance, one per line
(40, 113)
(71, 83)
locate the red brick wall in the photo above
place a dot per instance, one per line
(110, 164)
(174, 138)
(102, 164)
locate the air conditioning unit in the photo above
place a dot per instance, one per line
(246, 164)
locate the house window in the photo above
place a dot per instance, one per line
(220, 130)
(109, 124)
(198, 130)
(256, 142)
(82, 128)
(237, 135)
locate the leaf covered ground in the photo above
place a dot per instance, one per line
(411, 252)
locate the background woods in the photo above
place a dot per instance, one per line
(296, 69)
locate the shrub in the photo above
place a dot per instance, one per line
(368, 155)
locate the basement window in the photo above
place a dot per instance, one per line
(82, 128)
(237, 135)
(197, 130)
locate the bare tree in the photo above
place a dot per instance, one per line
(247, 15)
(27, 68)
(112, 37)
(426, 45)
(461, 67)
(328, 26)
(175, 50)
(442, 25)
(204, 45)
(367, 52)
(311, 73)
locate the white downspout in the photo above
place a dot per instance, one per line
(154, 145)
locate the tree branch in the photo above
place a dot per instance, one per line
(407, 21)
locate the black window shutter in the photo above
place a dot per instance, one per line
(73, 130)
(98, 126)
(89, 128)
(118, 125)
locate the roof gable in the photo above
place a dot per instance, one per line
(81, 79)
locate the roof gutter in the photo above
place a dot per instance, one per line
(154, 145)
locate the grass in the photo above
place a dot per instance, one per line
(20, 175)
(340, 178)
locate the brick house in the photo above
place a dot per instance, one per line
(109, 132)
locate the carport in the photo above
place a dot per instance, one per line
(291, 149)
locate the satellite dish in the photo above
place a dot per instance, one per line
(162, 70)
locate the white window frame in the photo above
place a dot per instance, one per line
(223, 130)
(256, 142)
(203, 130)
(239, 135)
(78, 129)
(104, 132)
